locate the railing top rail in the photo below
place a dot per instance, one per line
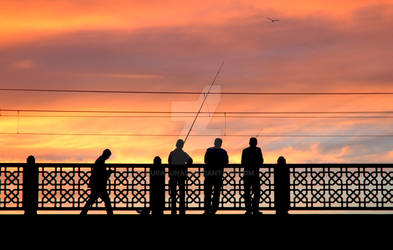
(200, 165)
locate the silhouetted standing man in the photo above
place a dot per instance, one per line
(252, 160)
(281, 187)
(30, 187)
(216, 159)
(178, 161)
(157, 187)
(98, 180)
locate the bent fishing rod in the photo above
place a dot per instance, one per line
(204, 99)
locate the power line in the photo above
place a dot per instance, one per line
(187, 92)
(201, 135)
(204, 116)
(193, 112)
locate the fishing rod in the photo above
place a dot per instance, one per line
(204, 99)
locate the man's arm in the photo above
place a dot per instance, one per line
(108, 173)
(207, 156)
(243, 162)
(260, 156)
(189, 161)
(170, 158)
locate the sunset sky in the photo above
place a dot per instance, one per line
(317, 46)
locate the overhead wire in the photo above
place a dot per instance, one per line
(97, 91)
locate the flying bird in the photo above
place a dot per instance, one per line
(273, 20)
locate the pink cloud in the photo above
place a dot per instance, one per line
(301, 53)
(24, 64)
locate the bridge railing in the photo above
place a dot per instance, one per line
(312, 186)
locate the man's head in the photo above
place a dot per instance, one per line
(106, 154)
(253, 142)
(179, 144)
(218, 142)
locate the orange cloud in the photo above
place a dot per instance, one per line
(23, 64)
(126, 76)
(27, 21)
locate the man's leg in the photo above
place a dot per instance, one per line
(217, 192)
(108, 206)
(182, 190)
(161, 201)
(208, 193)
(247, 195)
(256, 187)
(172, 190)
(93, 197)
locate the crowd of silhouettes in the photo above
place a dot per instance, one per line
(216, 159)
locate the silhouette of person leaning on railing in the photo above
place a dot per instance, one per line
(178, 161)
(216, 160)
(98, 181)
(252, 160)
(30, 187)
(281, 187)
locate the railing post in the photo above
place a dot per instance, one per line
(281, 187)
(157, 187)
(30, 187)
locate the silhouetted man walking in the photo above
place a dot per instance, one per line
(252, 160)
(98, 181)
(216, 159)
(178, 161)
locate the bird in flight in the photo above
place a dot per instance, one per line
(273, 20)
